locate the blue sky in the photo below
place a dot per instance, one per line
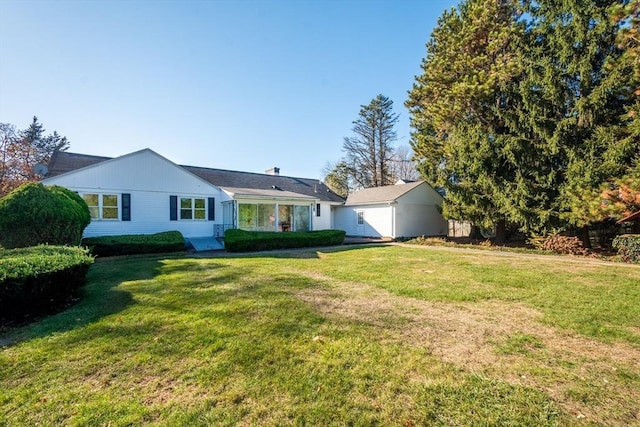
(242, 85)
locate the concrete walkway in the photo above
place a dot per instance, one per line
(355, 240)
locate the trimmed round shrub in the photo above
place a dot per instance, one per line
(34, 214)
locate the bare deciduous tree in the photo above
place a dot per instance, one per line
(403, 166)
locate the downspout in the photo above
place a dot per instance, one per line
(393, 221)
(234, 213)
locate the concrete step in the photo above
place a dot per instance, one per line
(207, 243)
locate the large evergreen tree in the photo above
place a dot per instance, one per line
(606, 172)
(576, 67)
(455, 105)
(369, 152)
(537, 116)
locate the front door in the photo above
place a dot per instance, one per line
(360, 223)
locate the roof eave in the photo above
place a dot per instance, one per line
(376, 202)
(254, 196)
(238, 194)
(633, 216)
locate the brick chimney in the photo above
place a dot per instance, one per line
(273, 171)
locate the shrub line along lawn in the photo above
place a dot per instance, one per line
(369, 335)
(496, 250)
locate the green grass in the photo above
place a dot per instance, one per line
(349, 337)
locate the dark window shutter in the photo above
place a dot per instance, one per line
(317, 209)
(173, 208)
(211, 204)
(126, 207)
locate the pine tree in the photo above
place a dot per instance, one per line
(618, 197)
(526, 109)
(43, 145)
(584, 89)
(455, 105)
(368, 154)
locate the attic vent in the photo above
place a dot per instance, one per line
(273, 171)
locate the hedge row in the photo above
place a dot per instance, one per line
(243, 241)
(168, 241)
(38, 279)
(628, 246)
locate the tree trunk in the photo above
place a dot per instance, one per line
(474, 232)
(583, 234)
(501, 231)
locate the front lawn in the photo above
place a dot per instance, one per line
(358, 336)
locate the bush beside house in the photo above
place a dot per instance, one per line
(243, 241)
(34, 214)
(168, 241)
(37, 280)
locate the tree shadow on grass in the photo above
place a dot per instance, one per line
(101, 296)
(98, 298)
(226, 311)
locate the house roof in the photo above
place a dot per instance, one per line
(252, 192)
(386, 194)
(633, 217)
(236, 182)
(259, 181)
(63, 162)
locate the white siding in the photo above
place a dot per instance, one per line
(150, 214)
(378, 220)
(423, 194)
(140, 171)
(415, 213)
(324, 221)
(344, 219)
(418, 213)
(419, 220)
(151, 180)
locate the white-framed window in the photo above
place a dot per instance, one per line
(103, 206)
(193, 208)
(360, 217)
